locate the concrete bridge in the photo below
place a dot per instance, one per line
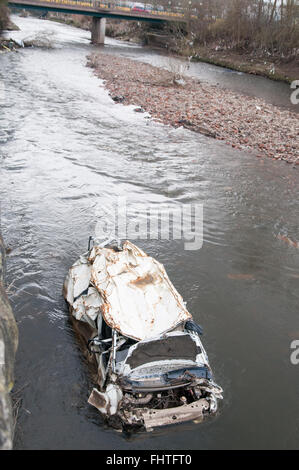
(99, 10)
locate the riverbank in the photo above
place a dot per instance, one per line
(8, 346)
(77, 21)
(272, 67)
(254, 62)
(9, 45)
(240, 121)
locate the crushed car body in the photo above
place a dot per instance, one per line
(152, 369)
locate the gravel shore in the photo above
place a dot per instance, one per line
(240, 121)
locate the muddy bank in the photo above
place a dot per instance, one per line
(78, 21)
(8, 346)
(267, 66)
(131, 31)
(240, 121)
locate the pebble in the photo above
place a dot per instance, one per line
(242, 122)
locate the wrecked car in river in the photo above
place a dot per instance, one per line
(152, 369)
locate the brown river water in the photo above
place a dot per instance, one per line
(66, 150)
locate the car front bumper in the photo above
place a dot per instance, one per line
(153, 418)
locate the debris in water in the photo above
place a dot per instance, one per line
(287, 240)
(152, 369)
(242, 277)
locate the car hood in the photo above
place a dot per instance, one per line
(178, 347)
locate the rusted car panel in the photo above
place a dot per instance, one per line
(192, 411)
(152, 368)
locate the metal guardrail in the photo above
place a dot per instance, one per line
(113, 7)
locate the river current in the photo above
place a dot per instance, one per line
(67, 152)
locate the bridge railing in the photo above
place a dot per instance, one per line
(114, 6)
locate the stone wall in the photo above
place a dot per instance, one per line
(8, 346)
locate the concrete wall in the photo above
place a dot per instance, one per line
(8, 346)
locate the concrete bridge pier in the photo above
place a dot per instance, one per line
(98, 30)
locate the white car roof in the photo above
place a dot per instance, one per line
(139, 300)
